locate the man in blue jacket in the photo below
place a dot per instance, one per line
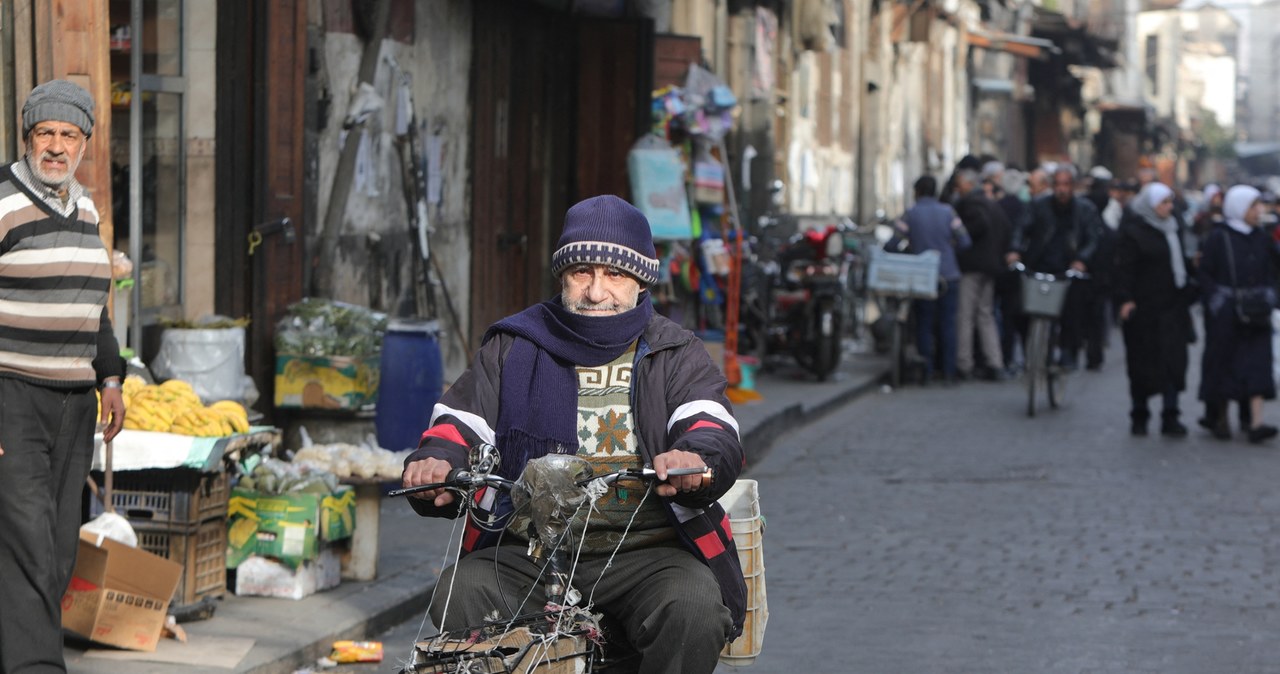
(596, 373)
(933, 225)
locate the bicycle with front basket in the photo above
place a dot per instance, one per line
(1043, 296)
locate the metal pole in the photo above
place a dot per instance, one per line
(135, 175)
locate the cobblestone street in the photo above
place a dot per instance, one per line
(941, 530)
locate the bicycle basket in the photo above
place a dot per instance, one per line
(518, 651)
(1044, 296)
(903, 275)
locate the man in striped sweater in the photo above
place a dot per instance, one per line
(56, 347)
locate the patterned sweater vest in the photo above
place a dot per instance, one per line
(55, 276)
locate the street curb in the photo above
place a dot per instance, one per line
(759, 441)
(400, 608)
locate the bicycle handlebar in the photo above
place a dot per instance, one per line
(463, 480)
(648, 474)
(1070, 273)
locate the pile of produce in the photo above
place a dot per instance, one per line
(174, 407)
(348, 460)
(273, 476)
(318, 327)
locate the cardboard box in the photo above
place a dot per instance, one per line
(326, 382)
(262, 577)
(118, 595)
(288, 527)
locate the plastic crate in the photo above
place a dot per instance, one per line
(903, 275)
(177, 497)
(1044, 295)
(742, 504)
(201, 549)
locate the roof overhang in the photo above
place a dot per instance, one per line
(1018, 45)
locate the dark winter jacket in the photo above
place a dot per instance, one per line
(1047, 248)
(1159, 328)
(1236, 361)
(678, 400)
(988, 229)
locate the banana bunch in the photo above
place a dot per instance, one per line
(203, 422)
(174, 407)
(234, 413)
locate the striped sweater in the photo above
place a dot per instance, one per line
(55, 275)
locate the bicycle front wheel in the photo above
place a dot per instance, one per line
(1037, 354)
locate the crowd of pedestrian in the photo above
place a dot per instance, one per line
(1141, 256)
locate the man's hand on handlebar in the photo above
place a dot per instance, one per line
(428, 471)
(677, 458)
(1012, 258)
(1079, 266)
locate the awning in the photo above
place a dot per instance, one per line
(1018, 45)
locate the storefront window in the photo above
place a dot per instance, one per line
(162, 144)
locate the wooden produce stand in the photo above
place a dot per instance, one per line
(173, 489)
(361, 561)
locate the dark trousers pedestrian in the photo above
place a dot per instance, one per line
(940, 314)
(1071, 322)
(1097, 320)
(666, 601)
(47, 437)
(1013, 323)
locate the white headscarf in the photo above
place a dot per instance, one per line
(1152, 195)
(1210, 191)
(1238, 201)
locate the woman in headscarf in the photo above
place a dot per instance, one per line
(1238, 258)
(1210, 216)
(1154, 292)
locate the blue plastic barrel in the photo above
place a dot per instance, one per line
(410, 382)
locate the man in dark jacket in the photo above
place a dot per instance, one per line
(594, 372)
(979, 266)
(1062, 234)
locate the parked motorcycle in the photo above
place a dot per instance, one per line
(796, 303)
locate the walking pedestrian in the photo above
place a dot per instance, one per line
(933, 225)
(979, 265)
(1238, 270)
(1155, 292)
(56, 345)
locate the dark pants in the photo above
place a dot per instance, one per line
(665, 599)
(1072, 322)
(1096, 321)
(1013, 324)
(1168, 409)
(941, 313)
(47, 437)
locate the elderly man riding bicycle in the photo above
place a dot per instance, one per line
(595, 372)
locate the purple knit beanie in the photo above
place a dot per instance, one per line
(607, 230)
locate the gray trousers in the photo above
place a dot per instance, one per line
(976, 309)
(47, 437)
(665, 599)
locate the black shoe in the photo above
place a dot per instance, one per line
(1220, 431)
(1261, 433)
(1138, 429)
(1205, 423)
(1170, 428)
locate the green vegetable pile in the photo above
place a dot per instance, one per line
(319, 327)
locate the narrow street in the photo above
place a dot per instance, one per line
(941, 530)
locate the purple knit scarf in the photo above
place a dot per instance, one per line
(538, 399)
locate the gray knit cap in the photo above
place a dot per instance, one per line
(58, 101)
